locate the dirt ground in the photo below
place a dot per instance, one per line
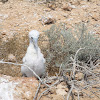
(18, 17)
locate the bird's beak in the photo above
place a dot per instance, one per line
(36, 44)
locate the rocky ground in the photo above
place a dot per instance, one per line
(19, 17)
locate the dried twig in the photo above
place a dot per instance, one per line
(1, 61)
(48, 89)
(36, 94)
(74, 62)
(70, 91)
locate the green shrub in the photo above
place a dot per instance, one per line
(63, 43)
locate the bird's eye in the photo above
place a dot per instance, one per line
(32, 38)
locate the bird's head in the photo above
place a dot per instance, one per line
(33, 36)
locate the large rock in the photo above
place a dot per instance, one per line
(17, 88)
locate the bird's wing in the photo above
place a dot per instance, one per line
(41, 55)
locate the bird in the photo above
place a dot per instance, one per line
(33, 58)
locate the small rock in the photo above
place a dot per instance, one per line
(79, 76)
(95, 16)
(52, 6)
(66, 89)
(68, 7)
(4, 39)
(53, 90)
(28, 95)
(3, 33)
(47, 10)
(47, 20)
(5, 16)
(84, 6)
(58, 97)
(76, 93)
(75, 2)
(11, 58)
(61, 90)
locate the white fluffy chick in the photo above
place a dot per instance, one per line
(33, 57)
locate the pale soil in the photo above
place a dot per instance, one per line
(20, 17)
(20, 88)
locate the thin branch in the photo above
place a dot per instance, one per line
(48, 89)
(43, 93)
(74, 62)
(60, 69)
(22, 65)
(28, 68)
(70, 91)
(36, 94)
